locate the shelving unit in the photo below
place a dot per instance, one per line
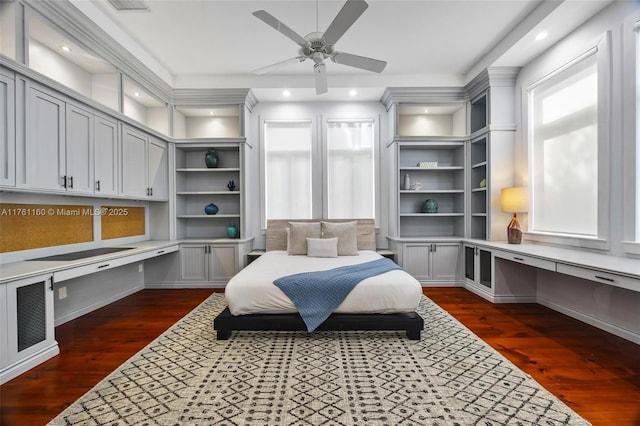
(197, 186)
(479, 197)
(443, 181)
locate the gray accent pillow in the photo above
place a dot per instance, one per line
(322, 247)
(347, 234)
(298, 234)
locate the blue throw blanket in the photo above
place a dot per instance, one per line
(317, 294)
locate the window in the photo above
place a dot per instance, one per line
(350, 169)
(568, 140)
(288, 167)
(564, 117)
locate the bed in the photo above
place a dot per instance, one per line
(387, 301)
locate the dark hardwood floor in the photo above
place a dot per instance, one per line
(595, 373)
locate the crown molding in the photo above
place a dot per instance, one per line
(426, 95)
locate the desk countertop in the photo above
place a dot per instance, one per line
(28, 268)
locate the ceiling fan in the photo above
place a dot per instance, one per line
(318, 46)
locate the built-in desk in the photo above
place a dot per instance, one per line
(27, 318)
(601, 290)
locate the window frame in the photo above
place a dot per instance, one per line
(631, 134)
(602, 50)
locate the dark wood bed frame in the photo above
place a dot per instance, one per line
(411, 322)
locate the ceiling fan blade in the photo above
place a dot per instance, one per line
(269, 68)
(349, 13)
(321, 78)
(273, 22)
(361, 62)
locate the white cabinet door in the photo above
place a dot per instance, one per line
(134, 163)
(223, 263)
(194, 262)
(444, 262)
(45, 141)
(105, 136)
(30, 327)
(158, 174)
(79, 150)
(7, 131)
(416, 260)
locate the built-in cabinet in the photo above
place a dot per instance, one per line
(144, 165)
(27, 326)
(7, 129)
(208, 263)
(478, 268)
(431, 263)
(107, 154)
(75, 149)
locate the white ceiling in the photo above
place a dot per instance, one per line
(218, 43)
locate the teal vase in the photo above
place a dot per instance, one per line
(430, 206)
(232, 231)
(212, 159)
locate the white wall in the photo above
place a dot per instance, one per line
(104, 89)
(207, 127)
(318, 112)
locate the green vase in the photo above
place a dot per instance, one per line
(232, 231)
(430, 206)
(211, 158)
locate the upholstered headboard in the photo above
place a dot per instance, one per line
(277, 236)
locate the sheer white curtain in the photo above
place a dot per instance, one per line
(350, 169)
(287, 147)
(564, 151)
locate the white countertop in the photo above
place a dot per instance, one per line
(28, 268)
(600, 262)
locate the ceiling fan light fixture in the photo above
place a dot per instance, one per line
(319, 46)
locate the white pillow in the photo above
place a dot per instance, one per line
(322, 247)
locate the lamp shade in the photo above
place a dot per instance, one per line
(515, 200)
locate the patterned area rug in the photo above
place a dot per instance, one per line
(186, 377)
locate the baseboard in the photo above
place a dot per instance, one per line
(22, 366)
(90, 308)
(603, 325)
(441, 284)
(184, 285)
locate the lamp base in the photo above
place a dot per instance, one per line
(514, 231)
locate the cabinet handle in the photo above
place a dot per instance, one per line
(71, 182)
(151, 191)
(64, 181)
(98, 185)
(518, 258)
(160, 251)
(611, 280)
(103, 266)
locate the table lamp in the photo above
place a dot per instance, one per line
(514, 200)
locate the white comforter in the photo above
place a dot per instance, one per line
(252, 291)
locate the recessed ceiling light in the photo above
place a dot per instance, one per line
(352, 92)
(541, 35)
(65, 48)
(426, 110)
(210, 112)
(136, 94)
(286, 93)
